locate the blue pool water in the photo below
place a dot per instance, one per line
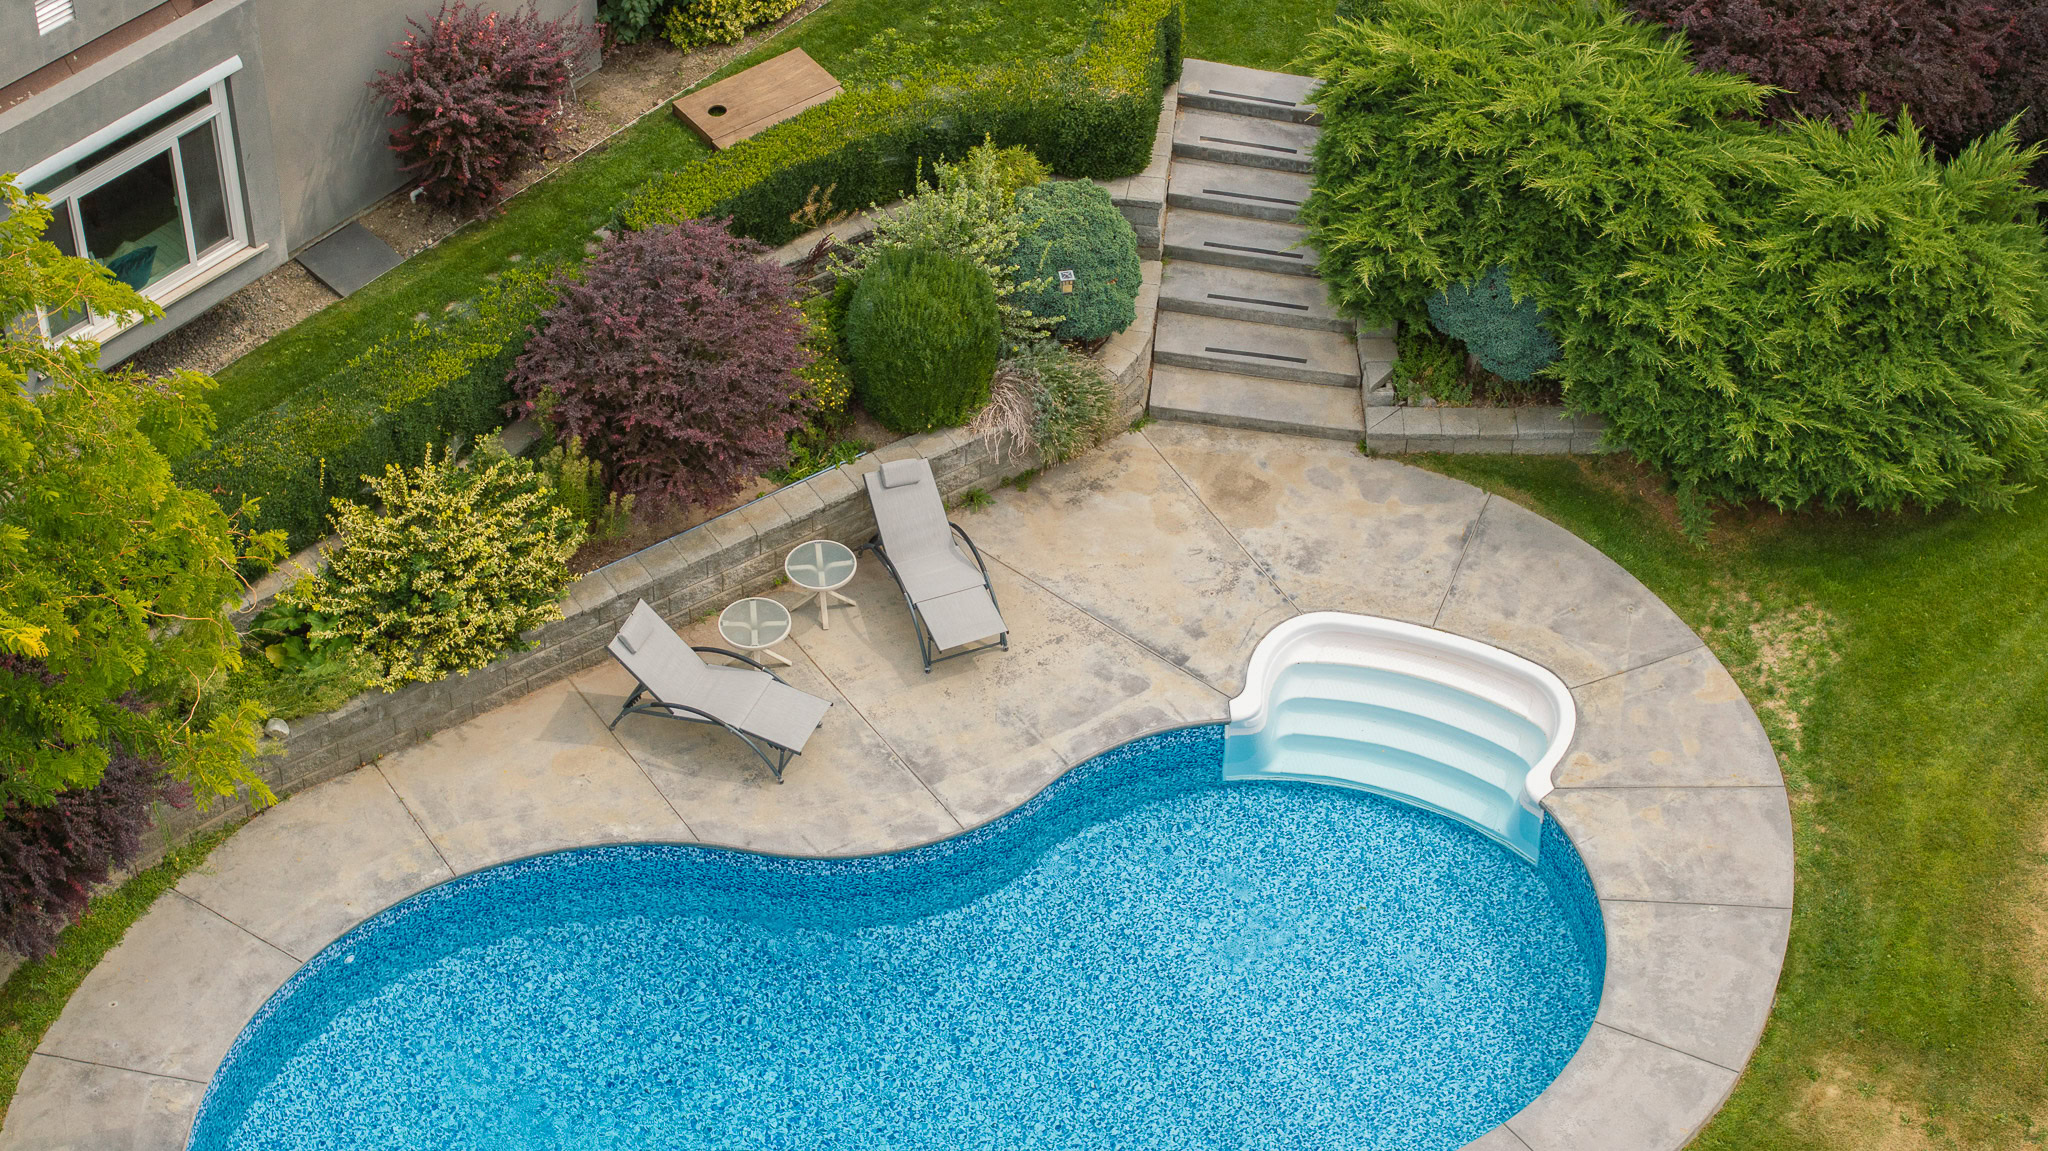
(1144, 956)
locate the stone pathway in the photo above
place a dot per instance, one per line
(1136, 581)
(1247, 337)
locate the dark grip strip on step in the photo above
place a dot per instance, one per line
(1249, 96)
(1249, 248)
(1249, 196)
(1249, 144)
(1259, 355)
(1254, 300)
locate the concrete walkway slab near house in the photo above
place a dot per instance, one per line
(1136, 580)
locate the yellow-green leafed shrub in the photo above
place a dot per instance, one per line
(439, 382)
(1091, 114)
(695, 23)
(445, 572)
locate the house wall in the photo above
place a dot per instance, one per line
(80, 105)
(312, 141)
(333, 152)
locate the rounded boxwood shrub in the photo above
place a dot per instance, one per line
(922, 334)
(1071, 225)
(1507, 335)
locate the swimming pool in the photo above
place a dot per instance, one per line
(1143, 956)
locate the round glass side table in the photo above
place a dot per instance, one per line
(822, 566)
(755, 624)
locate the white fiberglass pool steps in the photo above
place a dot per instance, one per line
(1245, 333)
(1415, 714)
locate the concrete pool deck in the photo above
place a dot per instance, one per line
(1136, 581)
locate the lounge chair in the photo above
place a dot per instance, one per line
(750, 702)
(951, 600)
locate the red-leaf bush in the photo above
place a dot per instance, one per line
(52, 857)
(675, 357)
(479, 91)
(1964, 67)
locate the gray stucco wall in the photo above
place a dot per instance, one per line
(23, 51)
(311, 139)
(333, 157)
(80, 105)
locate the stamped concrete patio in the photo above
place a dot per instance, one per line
(1137, 581)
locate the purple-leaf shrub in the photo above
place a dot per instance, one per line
(52, 857)
(675, 357)
(479, 91)
(1964, 67)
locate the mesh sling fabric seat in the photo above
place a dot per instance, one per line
(951, 600)
(751, 702)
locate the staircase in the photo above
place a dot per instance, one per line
(1246, 336)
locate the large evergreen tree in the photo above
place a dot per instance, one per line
(114, 580)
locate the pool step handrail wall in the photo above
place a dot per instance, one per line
(1506, 806)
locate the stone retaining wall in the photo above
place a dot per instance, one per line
(687, 576)
(1532, 429)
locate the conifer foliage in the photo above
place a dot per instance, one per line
(1802, 315)
(675, 358)
(479, 91)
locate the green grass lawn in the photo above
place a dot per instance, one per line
(857, 40)
(35, 994)
(1902, 667)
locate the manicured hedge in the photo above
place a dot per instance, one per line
(1801, 315)
(441, 381)
(1090, 115)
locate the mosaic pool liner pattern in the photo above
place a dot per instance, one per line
(1141, 956)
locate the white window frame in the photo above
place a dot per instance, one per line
(203, 265)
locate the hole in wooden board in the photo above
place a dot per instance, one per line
(715, 110)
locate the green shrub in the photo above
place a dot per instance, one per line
(1430, 366)
(1804, 316)
(445, 572)
(440, 382)
(1092, 115)
(695, 23)
(923, 334)
(575, 483)
(970, 211)
(1507, 334)
(1073, 226)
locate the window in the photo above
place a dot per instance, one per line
(158, 205)
(52, 15)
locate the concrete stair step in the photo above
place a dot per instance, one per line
(1239, 242)
(1301, 355)
(1235, 190)
(1252, 141)
(1215, 87)
(1243, 294)
(1239, 401)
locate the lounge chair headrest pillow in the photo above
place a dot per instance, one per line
(902, 473)
(640, 627)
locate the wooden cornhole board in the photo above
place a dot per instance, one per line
(762, 96)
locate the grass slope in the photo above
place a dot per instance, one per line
(1902, 668)
(856, 40)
